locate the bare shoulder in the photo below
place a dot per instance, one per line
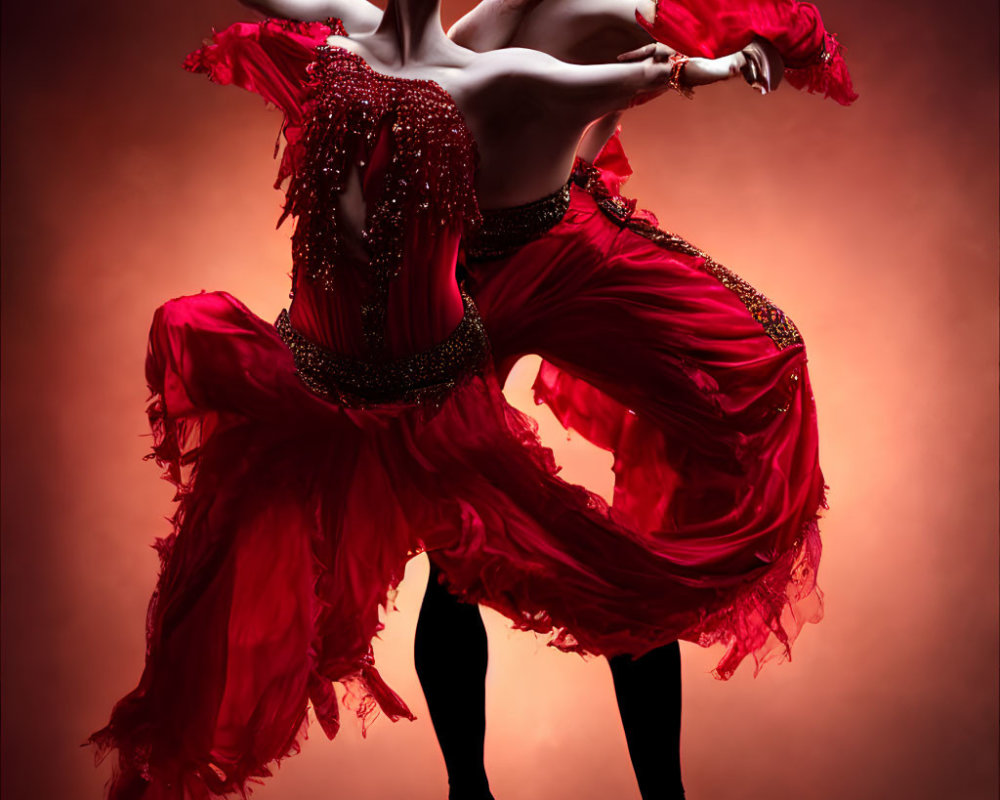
(608, 11)
(645, 9)
(513, 64)
(345, 43)
(624, 10)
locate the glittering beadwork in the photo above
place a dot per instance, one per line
(505, 230)
(334, 25)
(676, 82)
(431, 171)
(420, 378)
(776, 324)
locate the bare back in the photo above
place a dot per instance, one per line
(526, 125)
(573, 31)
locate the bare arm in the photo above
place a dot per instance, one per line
(578, 93)
(528, 111)
(491, 24)
(358, 16)
(759, 63)
(587, 31)
(697, 71)
(597, 136)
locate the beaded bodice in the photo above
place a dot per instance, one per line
(416, 158)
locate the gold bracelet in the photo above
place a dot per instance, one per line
(675, 81)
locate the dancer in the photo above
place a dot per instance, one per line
(314, 457)
(808, 47)
(573, 279)
(648, 689)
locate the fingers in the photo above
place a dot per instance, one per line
(638, 54)
(737, 63)
(764, 65)
(657, 51)
(775, 63)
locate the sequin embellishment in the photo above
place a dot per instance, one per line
(506, 230)
(430, 173)
(776, 324)
(425, 377)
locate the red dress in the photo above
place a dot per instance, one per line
(691, 377)
(694, 380)
(314, 457)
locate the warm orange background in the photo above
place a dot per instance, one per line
(127, 181)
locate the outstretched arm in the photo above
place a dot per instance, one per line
(759, 63)
(574, 95)
(696, 71)
(588, 32)
(358, 16)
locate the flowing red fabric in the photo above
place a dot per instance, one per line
(613, 170)
(296, 514)
(650, 354)
(712, 28)
(271, 59)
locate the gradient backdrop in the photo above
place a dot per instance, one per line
(127, 182)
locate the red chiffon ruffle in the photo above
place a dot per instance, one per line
(648, 353)
(295, 519)
(296, 515)
(712, 28)
(270, 58)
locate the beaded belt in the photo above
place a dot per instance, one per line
(420, 378)
(505, 230)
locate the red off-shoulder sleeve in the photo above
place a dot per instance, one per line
(270, 58)
(714, 28)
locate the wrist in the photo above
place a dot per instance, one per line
(679, 79)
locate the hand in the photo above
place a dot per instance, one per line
(657, 51)
(701, 71)
(697, 71)
(664, 65)
(764, 66)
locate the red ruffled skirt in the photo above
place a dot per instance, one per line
(295, 519)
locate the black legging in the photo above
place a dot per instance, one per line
(451, 655)
(648, 689)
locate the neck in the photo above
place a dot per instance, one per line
(414, 25)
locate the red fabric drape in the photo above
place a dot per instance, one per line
(269, 58)
(713, 28)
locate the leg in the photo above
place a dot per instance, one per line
(450, 652)
(649, 700)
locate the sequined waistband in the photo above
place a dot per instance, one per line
(425, 377)
(505, 230)
(588, 177)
